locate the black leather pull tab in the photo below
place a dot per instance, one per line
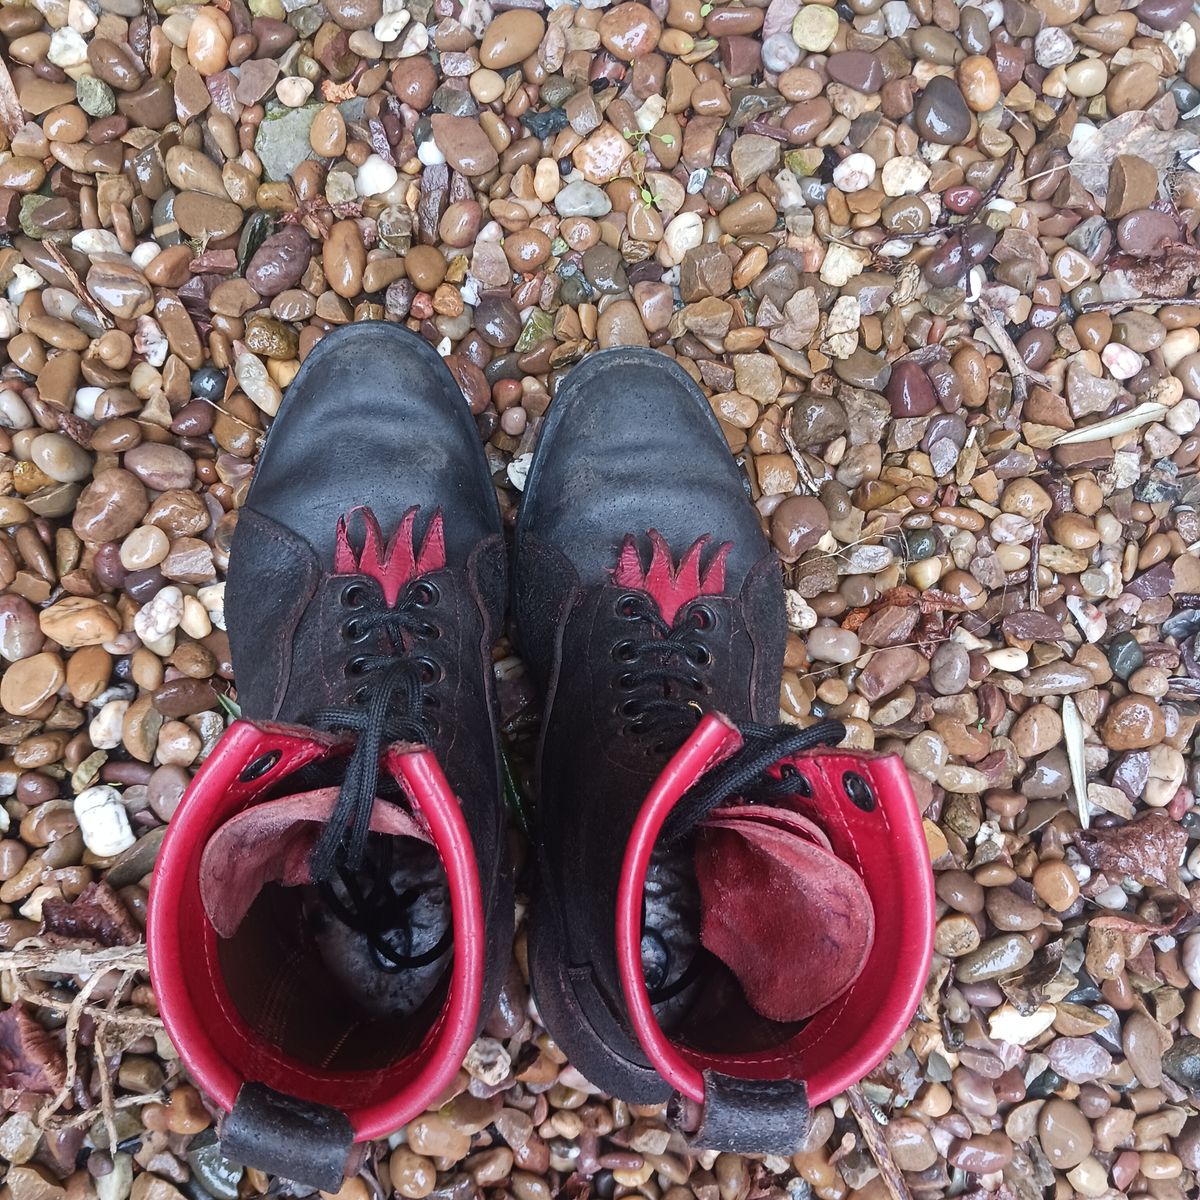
(285, 1136)
(744, 1116)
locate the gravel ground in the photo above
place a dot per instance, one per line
(935, 266)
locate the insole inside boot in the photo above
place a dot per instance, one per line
(788, 917)
(302, 962)
(751, 929)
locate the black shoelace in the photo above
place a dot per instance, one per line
(663, 669)
(390, 704)
(745, 773)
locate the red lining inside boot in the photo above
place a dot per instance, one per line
(775, 901)
(220, 1050)
(847, 1038)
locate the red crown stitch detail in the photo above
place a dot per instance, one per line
(669, 586)
(400, 562)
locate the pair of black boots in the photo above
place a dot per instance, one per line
(714, 916)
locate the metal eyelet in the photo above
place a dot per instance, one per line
(705, 617)
(431, 671)
(354, 594)
(624, 652)
(625, 681)
(352, 631)
(260, 766)
(425, 594)
(699, 654)
(860, 792)
(360, 695)
(628, 605)
(355, 666)
(796, 780)
(630, 708)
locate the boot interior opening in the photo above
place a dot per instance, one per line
(348, 975)
(752, 926)
(696, 998)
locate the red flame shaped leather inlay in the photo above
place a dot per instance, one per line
(669, 586)
(400, 562)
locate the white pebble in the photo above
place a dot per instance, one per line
(104, 730)
(86, 399)
(256, 383)
(854, 173)
(800, 616)
(518, 470)
(213, 599)
(1184, 417)
(1113, 897)
(1189, 958)
(391, 25)
(103, 822)
(1007, 658)
(416, 41)
(144, 253)
(841, 264)
(9, 320)
(25, 280)
(684, 232)
(429, 154)
(898, 18)
(294, 90)
(96, 241)
(1054, 47)
(14, 412)
(67, 49)
(1122, 363)
(195, 621)
(1009, 1025)
(904, 176)
(375, 176)
(159, 616)
(80, 17)
(150, 341)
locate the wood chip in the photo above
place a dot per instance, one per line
(1073, 734)
(12, 118)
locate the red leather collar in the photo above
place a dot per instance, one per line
(845, 1041)
(218, 1047)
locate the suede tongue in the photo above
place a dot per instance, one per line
(788, 917)
(271, 843)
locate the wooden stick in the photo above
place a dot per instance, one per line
(881, 1152)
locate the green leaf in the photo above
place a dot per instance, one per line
(518, 805)
(232, 709)
(667, 139)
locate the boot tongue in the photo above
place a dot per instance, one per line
(272, 843)
(780, 909)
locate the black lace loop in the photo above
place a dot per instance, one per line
(662, 668)
(745, 773)
(390, 705)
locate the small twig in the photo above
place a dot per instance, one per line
(1020, 371)
(877, 1144)
(810, 484)
(75, 1012)
(1035, 546)
(64, 265)
(11, 116)
(107, 1106)
(1157, 301)
(88, 1115)
(32, 955)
